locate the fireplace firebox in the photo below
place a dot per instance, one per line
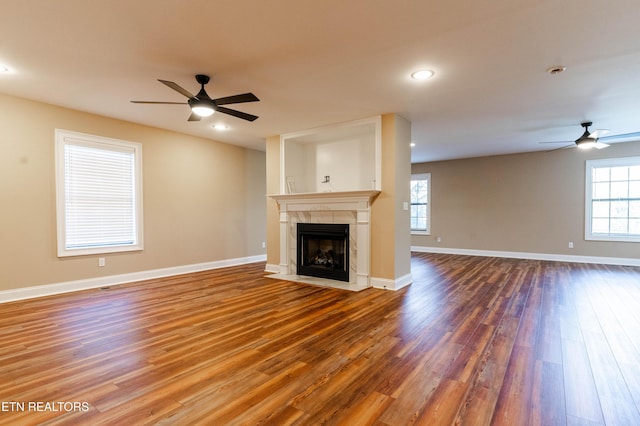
(323, 250)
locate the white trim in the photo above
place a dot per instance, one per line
(272, 269)
(85, 284)
(622, 261)
(590, 165)
(387, 284)
(427, 177)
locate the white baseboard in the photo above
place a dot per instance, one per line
(85, 284)
(387, 284)
(381, 283)
(622, 261)
(272, 269)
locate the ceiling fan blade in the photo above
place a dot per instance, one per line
(598, 133)
(630, 136)
(194, 117)
(237, 99)
(154, 102)
(571, 145)
(558, 142)
(235, 113)
(177, 88)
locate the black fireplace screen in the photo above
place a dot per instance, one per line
(323, 250)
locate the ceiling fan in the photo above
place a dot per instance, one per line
(593, 139)
(202, 105)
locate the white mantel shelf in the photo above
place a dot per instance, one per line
(315, 196)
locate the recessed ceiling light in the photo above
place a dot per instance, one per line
(412, 144)
(422, 75)
(220, 127)
(3, 68)
(556, 70)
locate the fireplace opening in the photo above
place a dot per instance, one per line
(323, 250)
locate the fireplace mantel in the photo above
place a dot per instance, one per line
(350, 207)
(344, 200)
(326, 197)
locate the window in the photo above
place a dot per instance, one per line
(98, 194)
(613, 199)
(421, 203)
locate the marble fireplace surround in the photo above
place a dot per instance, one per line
(350, 207)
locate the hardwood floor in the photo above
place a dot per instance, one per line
(472, 341)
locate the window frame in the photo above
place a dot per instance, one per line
(66, 137)
(427, 230)
(590, 166)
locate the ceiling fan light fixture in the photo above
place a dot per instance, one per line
(588, 140)
(586, 143)
(202, 107)
(203, 111)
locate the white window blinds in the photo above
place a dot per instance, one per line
(99, 195)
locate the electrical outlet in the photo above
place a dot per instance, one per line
(570, 244)
(101, 261)
(264, 245)
(439, 240)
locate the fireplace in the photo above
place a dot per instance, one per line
(352, 208)
(323, 250)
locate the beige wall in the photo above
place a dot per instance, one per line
(273, 215)
(203, 200)
(532, 203)
(403, 194)
(390, 224)
(255, 169)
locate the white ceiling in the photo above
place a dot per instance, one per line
(314, 63)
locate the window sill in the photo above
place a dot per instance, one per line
(613, 238)
(98, 250)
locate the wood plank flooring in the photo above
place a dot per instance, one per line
(473, 341)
